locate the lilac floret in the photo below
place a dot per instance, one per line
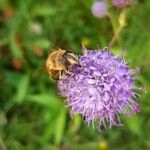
(100, 88)
(99, 9)
(122, 3)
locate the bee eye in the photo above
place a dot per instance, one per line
(72, 57)
(69, 56)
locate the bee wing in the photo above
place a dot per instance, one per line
(39, 71)
(52, 50)
(54, 74)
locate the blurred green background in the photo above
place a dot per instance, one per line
(32, 114)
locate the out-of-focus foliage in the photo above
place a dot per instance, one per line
(32, 114)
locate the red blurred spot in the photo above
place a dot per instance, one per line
(17, 64)
(18, 40)
(8, 13)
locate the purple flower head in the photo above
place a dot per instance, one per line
(121, 3)
(100, 89)
(99, 9)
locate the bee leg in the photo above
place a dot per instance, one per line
(60, 74)
(66, 71)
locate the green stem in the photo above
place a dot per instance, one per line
(2, 144)
(116, 29)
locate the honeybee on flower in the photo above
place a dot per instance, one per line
(100, 88)
(58, 63)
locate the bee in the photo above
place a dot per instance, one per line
(58, 62)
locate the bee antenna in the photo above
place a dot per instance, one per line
(84, 49)
(68, 51)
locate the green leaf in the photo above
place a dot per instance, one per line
(134, 124)
(50, 129)
(15, 49)
(43, 10)
(48, 100)
(60, 125)
(76, 123)
(22, 88)
(87, 146)
(41, 43)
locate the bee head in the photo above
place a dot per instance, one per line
(70, 59)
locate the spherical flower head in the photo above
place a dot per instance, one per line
(100, 88)
(121, 3)
(99, 9)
